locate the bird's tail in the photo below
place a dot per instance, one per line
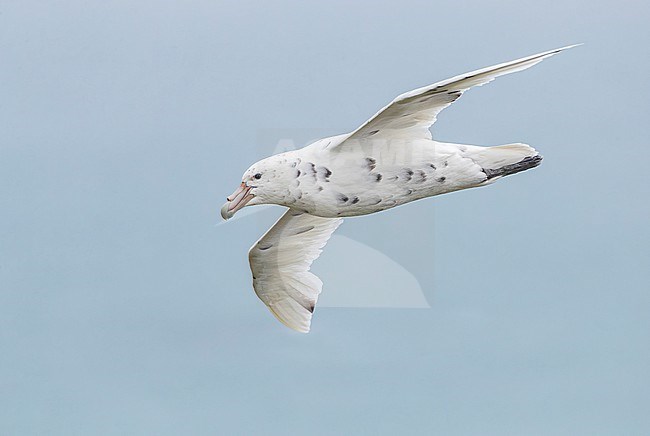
(503, 160)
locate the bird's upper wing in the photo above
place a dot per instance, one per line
(280, 263)
(411, 114)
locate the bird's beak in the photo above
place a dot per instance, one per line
(236, 201)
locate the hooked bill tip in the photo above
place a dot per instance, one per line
(225, 213)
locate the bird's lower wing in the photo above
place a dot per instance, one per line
(280, 263)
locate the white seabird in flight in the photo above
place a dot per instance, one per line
(389, 161)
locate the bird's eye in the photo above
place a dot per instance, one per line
(258, 176)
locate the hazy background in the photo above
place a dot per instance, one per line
(125, 310)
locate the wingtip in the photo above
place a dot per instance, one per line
(303, 330)
(548, 54)
(557, 50)
(300, 328)
(571, 46)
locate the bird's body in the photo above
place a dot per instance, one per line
(381, 176)
(389, 161)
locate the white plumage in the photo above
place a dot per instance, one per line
(280, 263)
(390, 160)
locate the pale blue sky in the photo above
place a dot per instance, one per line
(125, 310)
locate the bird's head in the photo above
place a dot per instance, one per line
(258, 186)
